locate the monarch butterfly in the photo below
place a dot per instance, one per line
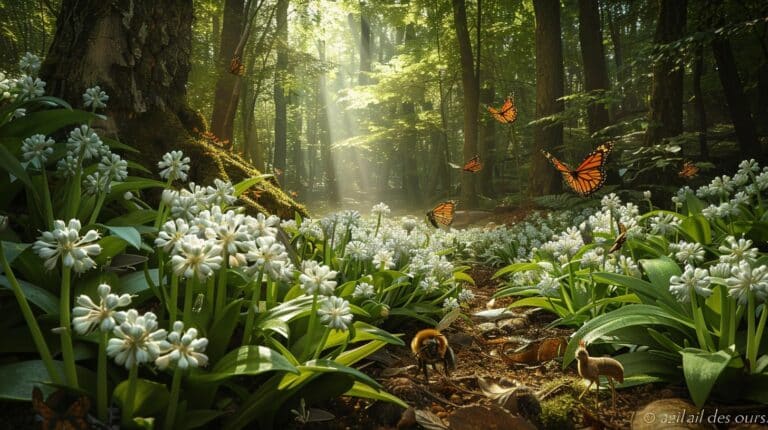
(473, 166)
(75, 417)
(590, 175)
(689, 170)
(620, 239)
(236, 66)
(507, 114)
(442, 213)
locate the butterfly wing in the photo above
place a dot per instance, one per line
(76, 417)
(442, 213)
(620, 239)
(590, 175)
(507, 114)
(689, 170)
(473, 166)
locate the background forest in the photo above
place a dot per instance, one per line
(373, 100)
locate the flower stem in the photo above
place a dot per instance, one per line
(173, 403)
(99, 204)
(760, 328)
(47, 200)
(67, 351)
(321, 344)
(751, 347)
(221, 288)
(101, 379)
(173, 307)
(133, 376)
(311, 326)
(189, 289)
(29, 318)
(255, 298)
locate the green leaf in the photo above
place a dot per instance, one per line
(134, 218)
(199, 418)
(516, 267)
(363, 332)
(110, 246)
(40, 297)
(642, 366)
(648, 293)
(245, 184)
(151, 397)
(20, 377)
(135, 284)
(10, 164)
(313, 367)
(45, 122)
(367, 392)
(13, 250)
(696, 228)
(116, 144)
(461, 276)
(246, 360)
(222, 330)
(129, 234)
(701, 370)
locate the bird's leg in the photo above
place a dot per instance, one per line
(586, 389)
(597, 392)
(423, 365)
(613, 394)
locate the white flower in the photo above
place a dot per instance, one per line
(409, 223)
(95, 97)
(335, 313)
(747, 166)
(270, 257)
(311, 229)
(29, 64)
(610, 202)
(97, 183)
(223, 194)
(737, 250)
(174, 165)
(170, 235)
(363, 290)
(19, 113)
(720, 270)
(466, 295)
(196, 257)
(37, 149)
(136, 339)
(30, 88)
(182, 349)
(67, 166)
(383, 259)
(664, 224)
(262, 225)
(592, 259)
(450, 303)
(356, 250)
(549, 286)
(744, 278)
(647, 194)
(89, 315)
(113, 167)
(380, 209)
(692, 279)
(688, 253)
(84, 140)
(65, 241)
(429, 284)
(317, 278)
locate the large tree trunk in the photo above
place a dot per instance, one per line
(145, 74)
(471, 99)
(666, 108)
(549, 88)
(698, 101)
(486, 143)
(222, 123)
(738, 105)
(281, 70)
(593, 56)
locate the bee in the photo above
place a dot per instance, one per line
(431, 347)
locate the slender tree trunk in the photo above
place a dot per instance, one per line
(232, 29)
(331, 187)
(486, 142)
(738, 105)
(549, 88)
(698, 100)
(471, 99)
(365, 45)
(281, 70)
(298, 158)
(593, 56)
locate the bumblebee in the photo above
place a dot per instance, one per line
(431, 347)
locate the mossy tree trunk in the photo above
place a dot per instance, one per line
(222, 122)
(593, 56)
(139, 53)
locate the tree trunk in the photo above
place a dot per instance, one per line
(738, 105)
(471, 100)
(221, 123)
(331, 187)
(365, 46)
(281, 103)
(486, 142)
(145, 74)
(698, 100)
(297, 156)
(593, 56)
(666, 107)
(549, 88)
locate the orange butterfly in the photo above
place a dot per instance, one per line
(620, 239)
(442, 213)
(236, 66)
(473, 166)
(590, 175)
(689, 170)
(75, 417)
(507, 114)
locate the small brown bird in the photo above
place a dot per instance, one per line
(590, 368)
(430, 347)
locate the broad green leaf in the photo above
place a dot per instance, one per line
(10, 164)
(696, 228)
(313, 367)
(366, 391)
(135, 284)
(223, 329)
(200, 417)
(13, 250)
(151, 397)
(516, 267)
(648, 293)
(129, 234)
(246, 360)
(110, 246)
(134, 218)
(245, 184)
(701, 370)
(40, 297)
(20, 377)
(45, 122)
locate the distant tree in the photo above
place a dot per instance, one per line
(365, 45)
(222, 123)
(469, 81)
(549, 88)
(666, 105)
(281, 105)
(593, 56)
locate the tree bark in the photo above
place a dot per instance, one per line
(593, 56)
(698, 101)
(281, 105)
(549, 88)
(471, 99)
(331, 187)
(221, 124)
(145, 74)
(666, 106)
(738, 105)
(365, 46)
(486, 142)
